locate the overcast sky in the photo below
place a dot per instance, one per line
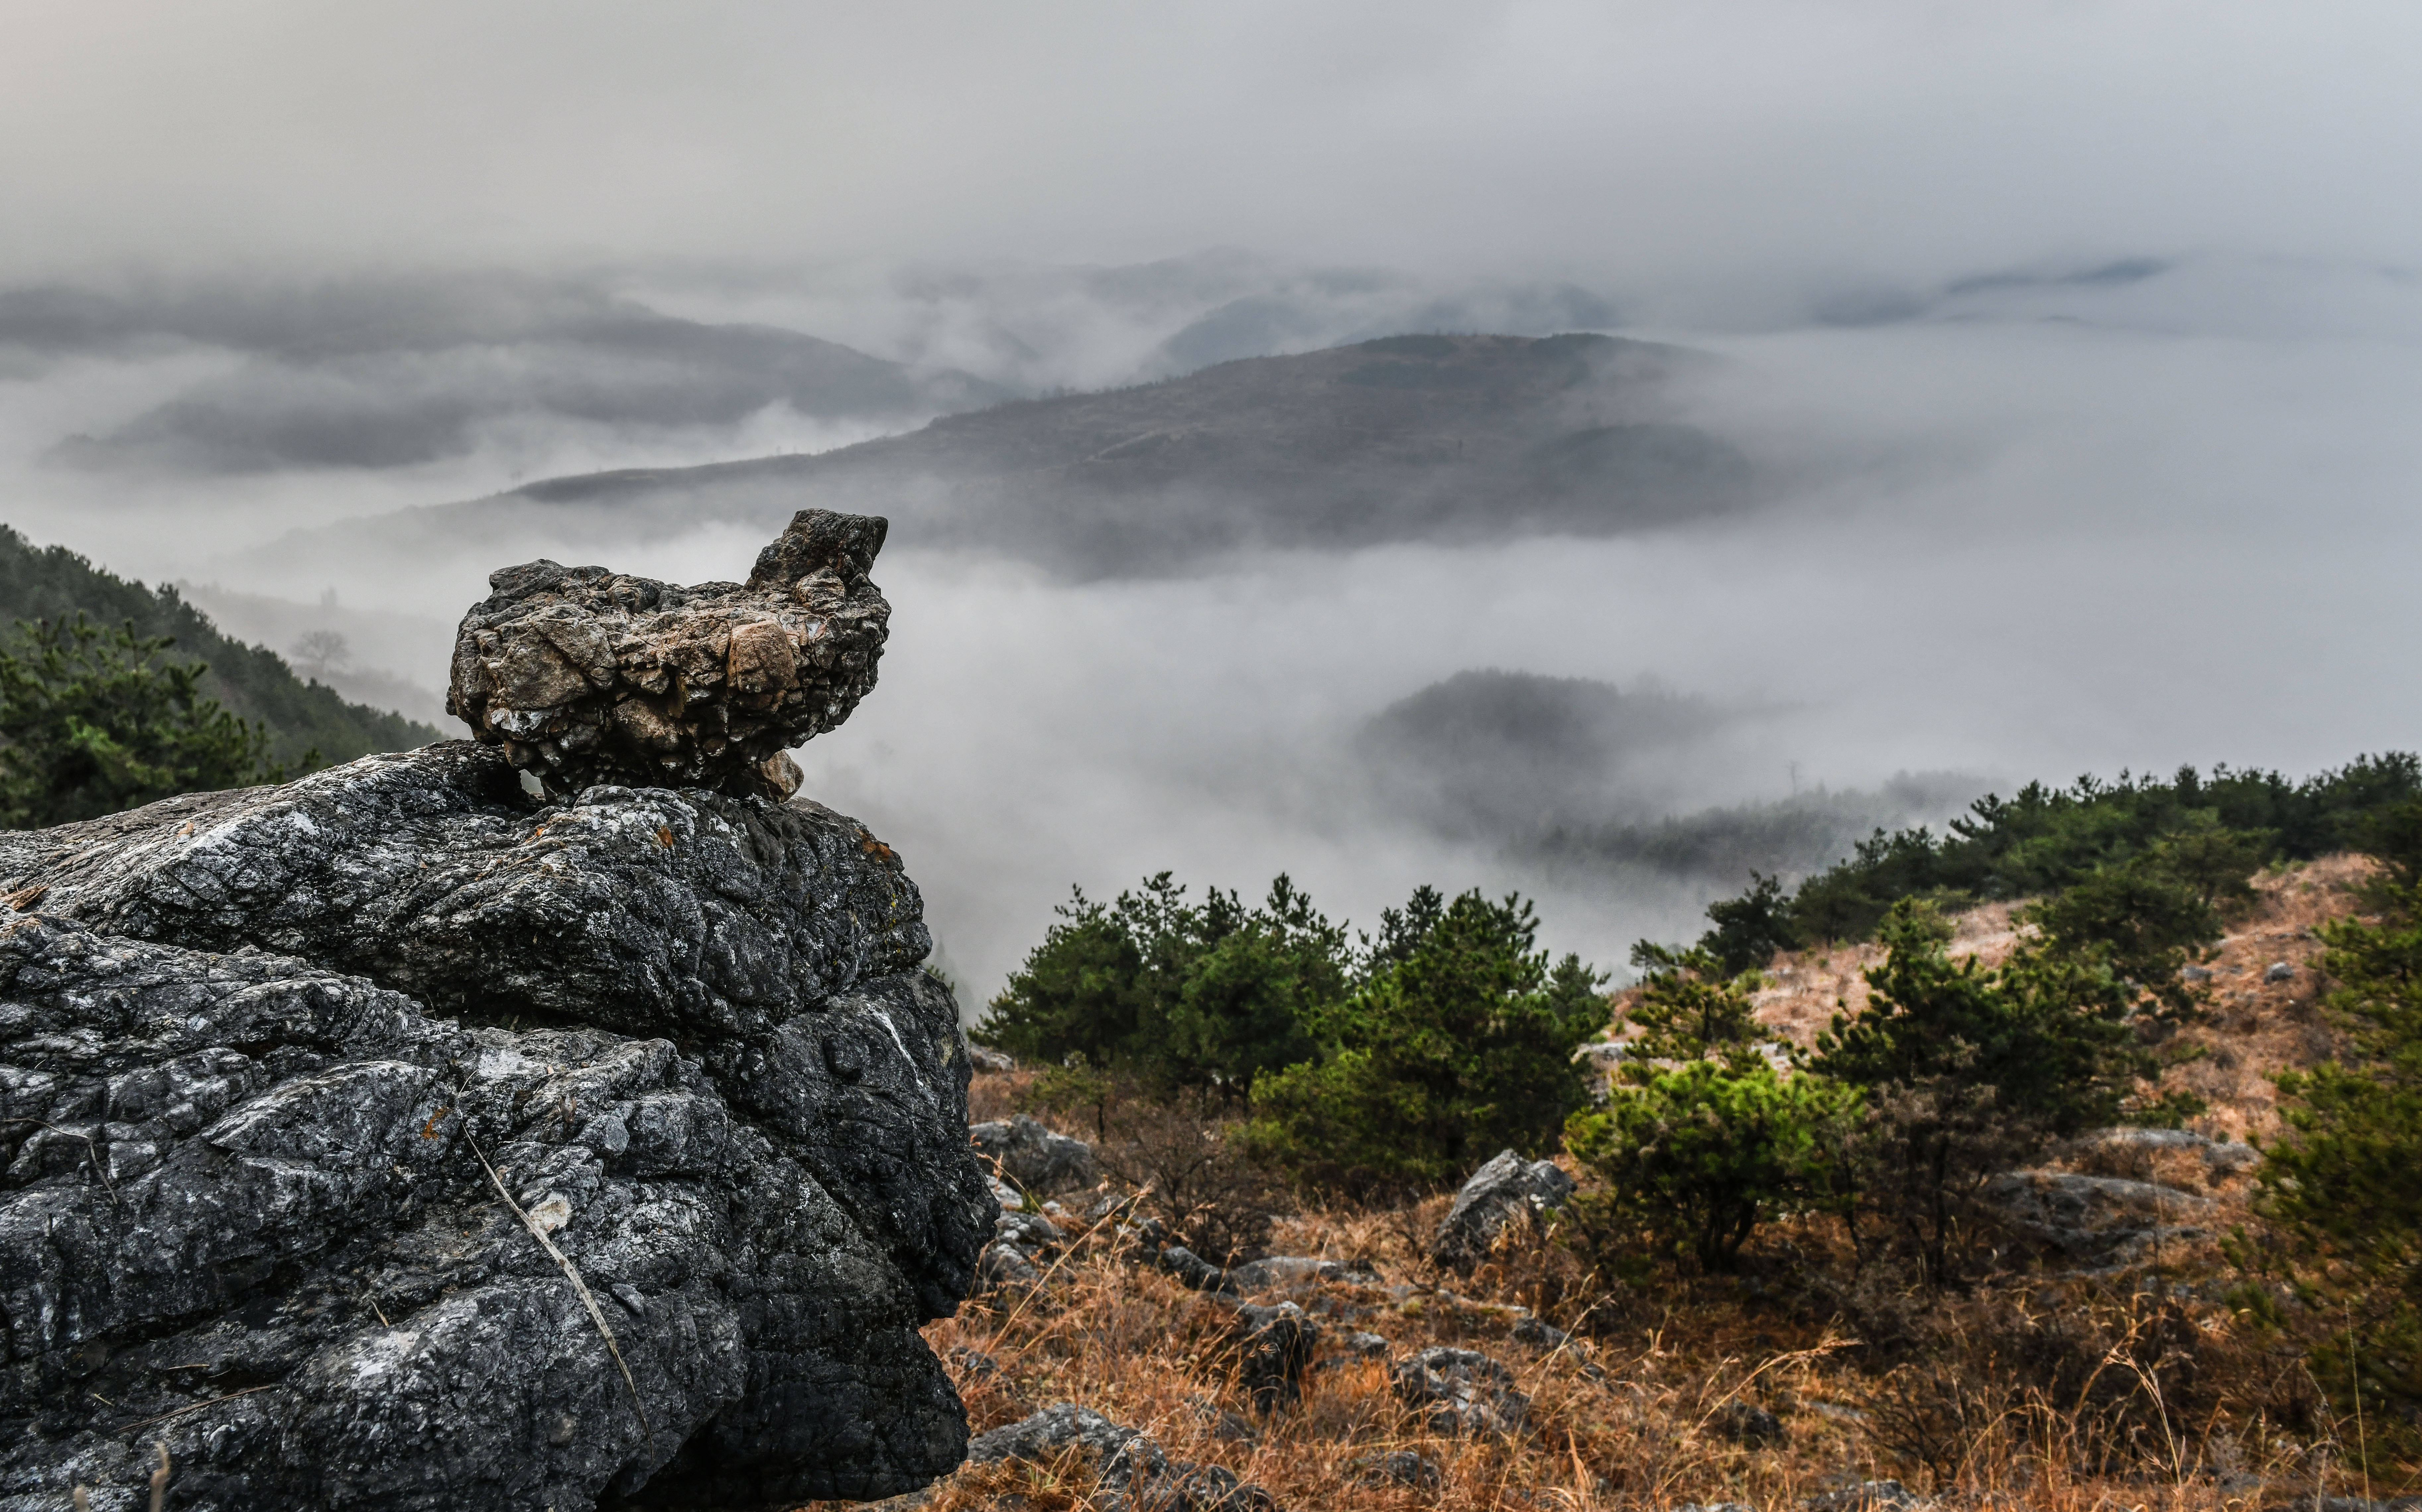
(1694, 143)
(2097, 329)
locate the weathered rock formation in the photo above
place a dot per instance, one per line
(585, 676)
(392, 1139)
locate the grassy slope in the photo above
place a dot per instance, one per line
(1627, 1413)
(52, 582)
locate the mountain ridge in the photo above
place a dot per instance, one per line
(1418, 437)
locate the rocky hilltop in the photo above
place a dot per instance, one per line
(401, 1138)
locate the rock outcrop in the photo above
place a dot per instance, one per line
(585, 676)
(1506, 1190)
(392, 1139)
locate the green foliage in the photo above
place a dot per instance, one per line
(1179, 993)
(2342, 1184)
(1967, 1071)
(254, 683)
(2200, 835)
(92, 722)
(1751, 928)
(1456, 1042)
(1691, 1007)
(1702, 1138)
(1699, 1154)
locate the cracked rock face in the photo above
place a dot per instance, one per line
(585, 676)
(243, 1209)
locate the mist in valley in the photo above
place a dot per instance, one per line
(2057, 374)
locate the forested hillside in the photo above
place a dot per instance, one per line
(255, 683)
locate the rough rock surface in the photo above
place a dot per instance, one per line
(1460, 1391)
(1509, 1190)
(1035, 1157)
(2107, 1218)
(587, 676)
(245, 1212)
(1132, 1468)
(646, 910)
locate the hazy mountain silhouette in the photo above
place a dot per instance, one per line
(398, 372)
(1413, 437)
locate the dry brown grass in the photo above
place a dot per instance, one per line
(2038, 1395)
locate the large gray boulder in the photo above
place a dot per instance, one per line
(583, 675)
(2106, 1219)
(1507, 1192)
(259, 1052)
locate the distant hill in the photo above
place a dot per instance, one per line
(1406, 438)
(399, 371)
(51, 582)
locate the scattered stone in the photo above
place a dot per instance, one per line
(1192, 1269)
(1539, 1335)
(586, 676)
(1506, 1190)
(989, 1060)
(1369, 1345)
(1022, 1242)
(2280, 971)
(1460, 1391)
(1868, 1496)
(2195, 974)
(974, 1364)
(1746, 1422)
(1398, 1467)
(1009, 1198)
(1133, 1469)
(1275, 1347)
(1295, 1272)
(1042, 1161)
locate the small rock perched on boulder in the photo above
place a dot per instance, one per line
(587, 676)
